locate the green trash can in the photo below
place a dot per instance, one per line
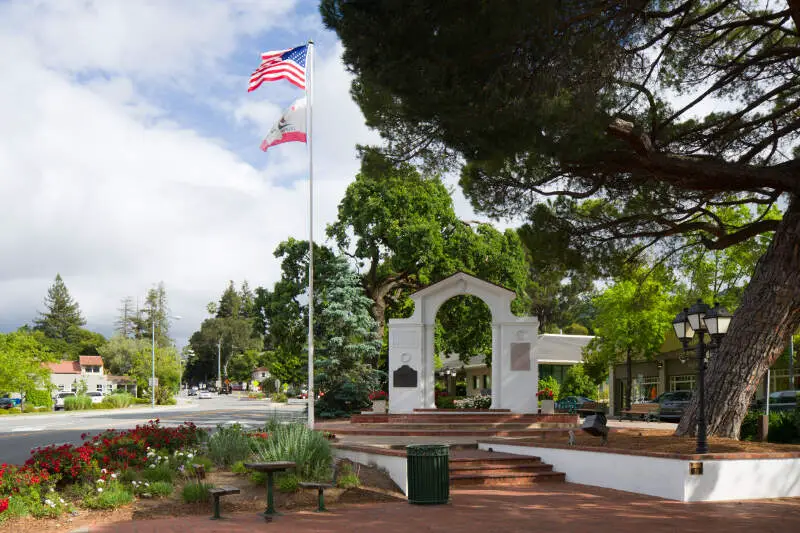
(428, 473)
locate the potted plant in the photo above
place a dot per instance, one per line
(546, 398)
(378, 399)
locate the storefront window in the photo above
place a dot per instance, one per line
(685, 382)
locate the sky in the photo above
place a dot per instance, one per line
(129, 151)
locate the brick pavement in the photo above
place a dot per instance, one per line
(553, 508)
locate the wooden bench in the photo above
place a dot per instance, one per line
(321, 488)
(645, 411)
(217, 493)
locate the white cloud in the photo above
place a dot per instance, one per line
(100, 185)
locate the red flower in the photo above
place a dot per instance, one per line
(3, 505)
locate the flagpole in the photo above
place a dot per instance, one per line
(310, 122)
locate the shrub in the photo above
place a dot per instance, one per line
(80, 402)
(164, 396)
(117, 400)
(474, 402)
(239, 468)
(111, 496)
(784, 426)
(278, 397)
(550, 383)
(142, 401)
(39, 398)
(576, 329)
(288, 483)
(14, 410)
(307, 448)
(157, 488)
(158, 472)
(447, 402)
(228, 445)
(208, 465)
(195, 492)
(347, 479)
(28, 408)
(577, 383)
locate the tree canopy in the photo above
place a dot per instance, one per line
(21, 358)
(615, 123)
(62, 317)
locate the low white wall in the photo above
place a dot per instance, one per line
(395, 466)
(728, 479)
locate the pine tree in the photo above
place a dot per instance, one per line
(126, 323)
(248, 300)
(230, 304)
(63, 316)
(156, 310)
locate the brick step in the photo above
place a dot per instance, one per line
(476, 470)
(502, 462)
(435, 410)
(505, 480)
(461, 419)
(400, 432)
(470, 425)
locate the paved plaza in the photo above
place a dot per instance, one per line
(552, 508)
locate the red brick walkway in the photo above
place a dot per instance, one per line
(553, 508)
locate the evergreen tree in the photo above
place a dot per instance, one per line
(63, 318)
(155, 311)
(248, 300)
(126, 322)
(230, 304)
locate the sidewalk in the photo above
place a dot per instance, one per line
(549, 507)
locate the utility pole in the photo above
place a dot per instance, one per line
(219, 366)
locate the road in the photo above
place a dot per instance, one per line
(20, 433)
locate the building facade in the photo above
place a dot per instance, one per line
(88, 369)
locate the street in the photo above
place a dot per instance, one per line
(20, 433)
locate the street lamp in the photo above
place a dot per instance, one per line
(153, 367)
(701, 320)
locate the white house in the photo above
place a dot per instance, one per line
(67, 376)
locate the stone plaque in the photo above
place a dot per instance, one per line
(405, 376)
(521, 356)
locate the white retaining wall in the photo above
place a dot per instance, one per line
(395, 466)
(722, 479)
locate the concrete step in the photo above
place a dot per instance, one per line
(399, 431)
(504, 462)
(469, 425)
(505, 480)
(493, 469)
(422, 418)
(456, 411)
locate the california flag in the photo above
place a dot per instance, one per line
(290, 128)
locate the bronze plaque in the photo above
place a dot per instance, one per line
(520, 356)
(405, 376)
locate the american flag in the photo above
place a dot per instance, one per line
(287, 65)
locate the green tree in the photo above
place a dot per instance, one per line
(119, 353)
(573, 101)
(230, 303)
(578, 383)
(347, 344)
(125, 324)
(62, 317)
(633, 317)
(21, 358)
(155, 313)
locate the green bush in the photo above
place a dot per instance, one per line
(39, 398)
(81, 402)
(307, 448)
(446, 402)
(161, 472)
(278, 397)
(208, 465)
(576, 329)
(550, 383)
(112, 496)
(347, 479)
(238, 468)
(164, 396)
(28, 408)
(784, 427)
(228, 445)
(195, 492)
(577, 383)
(117, 400)
(14, 410)
(142, 401)
(161, 489)
(288, 483)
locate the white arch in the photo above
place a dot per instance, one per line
(514, 372)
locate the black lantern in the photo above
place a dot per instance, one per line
(700, 319)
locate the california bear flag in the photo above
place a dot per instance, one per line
(290, 128)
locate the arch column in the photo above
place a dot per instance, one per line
(430, 370)
(496, 367)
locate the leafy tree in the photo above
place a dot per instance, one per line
(134, 358)
(348, 343)
(119, 353)
(21, 358)
(576, 329)
(578, 383)
(241, 365)
(62, 317)
(633, 316)
(573, 101)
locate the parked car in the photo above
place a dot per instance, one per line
(785, 400)
(204, 395)
(192, 391)
(671, 405)
(58, 401)
(15, 397)
(97, 397)
(6, 403)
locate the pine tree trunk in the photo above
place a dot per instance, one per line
(759, 332)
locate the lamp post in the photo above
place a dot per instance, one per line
(701, 319)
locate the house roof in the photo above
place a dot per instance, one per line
(91, 360)
(64, 367)
(261, 369)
